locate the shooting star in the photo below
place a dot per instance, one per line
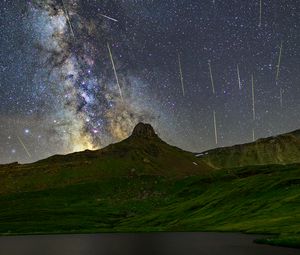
(253, 134)
(260, 12)
(24, 147)
(239, 78)
(110, 18)
(211, 78)
(281, 97)
(253, 97)
(279, 61)
(181, 75)
(68, 18)
(115, 71)
(215, 127)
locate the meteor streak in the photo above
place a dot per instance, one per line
(281, 97)
(110, 18)
(239, 78)
(279, 61)
(115, 71)
(253, 134)
(253, 97)
(24, 147)
(215, 127)
(260, 12)
(180, 73)
(68, 18)
(211, 78)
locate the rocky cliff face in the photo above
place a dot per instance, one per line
(143, 130)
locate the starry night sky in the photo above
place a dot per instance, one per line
(59, 92)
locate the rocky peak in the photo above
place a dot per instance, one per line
(144, 131)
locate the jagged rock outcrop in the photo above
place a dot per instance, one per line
(143, 130)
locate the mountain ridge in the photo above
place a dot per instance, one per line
(142, 153)
(142, 184)
(280, 149)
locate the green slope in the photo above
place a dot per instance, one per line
(282, 149)
(140, 154)
(263, 199)
(144, 184)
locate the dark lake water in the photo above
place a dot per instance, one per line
(139, 244)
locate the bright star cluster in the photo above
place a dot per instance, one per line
(62, 91)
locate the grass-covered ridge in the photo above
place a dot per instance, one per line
(264, 199)
(281, 149)
(142, 184)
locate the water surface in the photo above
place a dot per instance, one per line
(139, 244)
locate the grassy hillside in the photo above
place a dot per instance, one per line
(262, 199)
(143, 184)
(282, 149)
(138, 155)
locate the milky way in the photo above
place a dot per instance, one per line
(80, 74)
(91, 111)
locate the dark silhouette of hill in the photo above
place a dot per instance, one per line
(142, 153)
(281, 149)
